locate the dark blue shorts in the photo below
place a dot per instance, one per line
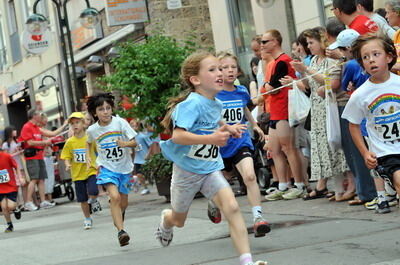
(11, 196)
(84, 188)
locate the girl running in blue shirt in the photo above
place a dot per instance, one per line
(197, 133)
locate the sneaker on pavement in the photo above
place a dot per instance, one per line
(372, 204)
(47, 205)
(87, 224)
(29, 206)
(9, 229)
(259, 262)
(214, 214)
(145, 191)
(293, 193)
(165, 237)
(276, 195)
(17, 213)
(382, 207)
(95, 206)
(261, 227)
(123, 238)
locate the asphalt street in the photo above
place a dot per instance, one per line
(303, 233)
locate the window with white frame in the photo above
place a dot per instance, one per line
(27, 8)
(13, 31)
(3, 49)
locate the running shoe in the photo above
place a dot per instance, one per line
(371, 205)
(17, 213)
(260, 262)
(123, 238)
(145, 191)
(47, 205)
(214, 214)
(276, 195)
(29, 206)
(95, 206)
(382, 207)
(9, 229)
(294, 193)
(165, 237)
(261, 227)
(87, 224)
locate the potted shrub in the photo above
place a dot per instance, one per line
(158, 170)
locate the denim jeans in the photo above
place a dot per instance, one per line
(365, 185)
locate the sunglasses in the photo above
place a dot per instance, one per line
(265, 41)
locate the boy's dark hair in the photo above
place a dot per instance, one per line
(367, 4)
(98, 100)
(334, 26)
(346, 6)
(387, 45)
(381, 12)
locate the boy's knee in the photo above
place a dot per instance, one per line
(231, 206)
(249, 178)
(179, 223)
(115, 198)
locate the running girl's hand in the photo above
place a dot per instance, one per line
(120, 143)
(286, 80)
(370, 160)
(220, 136)
(236, 130)
(67, 167)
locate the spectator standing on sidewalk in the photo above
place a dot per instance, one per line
(32, 138)
(9, 172)
(11, 146)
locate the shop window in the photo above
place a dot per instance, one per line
(243, 27)
(13, 31)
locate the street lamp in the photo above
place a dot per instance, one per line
(37, 24)
(44, 89)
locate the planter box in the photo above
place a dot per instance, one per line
(163, 188)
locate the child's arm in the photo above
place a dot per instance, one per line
(56, 132)
(19, 175)
(183, 137)
(235, 130)
(130, 143)
(88, 158)
(67, 164)
(250, 118)
(369, 157)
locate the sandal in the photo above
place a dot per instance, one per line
(318, 194)
(330, 194)
(347, 197)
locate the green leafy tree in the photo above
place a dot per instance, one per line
(149, 74)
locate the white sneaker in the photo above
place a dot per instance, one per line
(294, 193)
(29, 206)
(87, 224)
(47, 205)
(96, 206)
(145, 191)
(165, 237)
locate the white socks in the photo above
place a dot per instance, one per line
(257, 212)
(245, 258)
(282, 186)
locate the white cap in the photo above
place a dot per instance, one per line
(344, 39)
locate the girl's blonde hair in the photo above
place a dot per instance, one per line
(190, 67)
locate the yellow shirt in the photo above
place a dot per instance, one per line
(75, 151)
(396, 40)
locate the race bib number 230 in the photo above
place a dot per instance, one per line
(207, 152)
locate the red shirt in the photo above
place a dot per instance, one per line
(364, 25)
(31, 131)
(7, 165)
(278, 103)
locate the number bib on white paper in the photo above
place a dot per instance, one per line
(80, 155)
(207, 152)
(112, 152)
(388, 127)
(4, 176)
(232, 111)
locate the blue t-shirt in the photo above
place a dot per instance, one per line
(143, 140)
(199, 115)
(234, 103)
(353, 72)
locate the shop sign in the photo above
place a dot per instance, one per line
(82, 36)
(14, 89)
(36, 44)
(174, 4)
(122, 12)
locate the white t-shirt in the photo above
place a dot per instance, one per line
(380, 105)
(110, 155)
(383, 25)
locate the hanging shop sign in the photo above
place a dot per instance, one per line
(122, 12)
(36, 44)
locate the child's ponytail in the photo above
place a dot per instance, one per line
(190, 67)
